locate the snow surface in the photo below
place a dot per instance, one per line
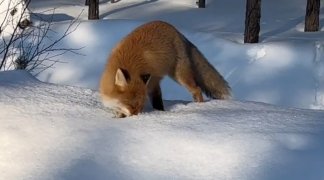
(58, 129)
(62, 132)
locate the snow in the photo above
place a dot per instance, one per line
(55, 127)
(52, 131)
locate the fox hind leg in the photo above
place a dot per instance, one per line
(184, 76)
(190, 84)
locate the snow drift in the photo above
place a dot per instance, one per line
(63, 132)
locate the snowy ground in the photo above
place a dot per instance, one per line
(58, 129)
(61, 132)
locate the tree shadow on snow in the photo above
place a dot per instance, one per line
(301, 158)
(105, 1)
(321, 28)
(85, 169)
(57, 17)
(125, 8)
(104, 156)
(291, 24)
(100, 157)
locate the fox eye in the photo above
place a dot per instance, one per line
(145, 78)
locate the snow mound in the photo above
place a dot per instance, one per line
(63, 132)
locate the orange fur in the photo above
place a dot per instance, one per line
(138, 63)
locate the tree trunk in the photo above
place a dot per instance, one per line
(312, 15)
(252, 21)
(93, 9)
(201, 3)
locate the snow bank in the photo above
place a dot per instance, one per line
(61, 131)
(43, 137)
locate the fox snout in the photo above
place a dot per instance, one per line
(121, 110)
(125, 112)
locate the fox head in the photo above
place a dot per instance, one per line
(127, 95)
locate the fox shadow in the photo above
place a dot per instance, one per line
(168, 104)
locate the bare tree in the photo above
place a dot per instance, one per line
(32, 48)
(252, 21)
(312, 15)
(93, 9)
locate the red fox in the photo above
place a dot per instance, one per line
(137, 64)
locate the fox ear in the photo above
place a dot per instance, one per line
(146, 78)
(120, 79)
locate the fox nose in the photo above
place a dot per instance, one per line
(119, 114)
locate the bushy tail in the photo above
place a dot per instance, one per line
(207, 77)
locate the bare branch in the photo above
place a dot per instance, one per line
(34, 48)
